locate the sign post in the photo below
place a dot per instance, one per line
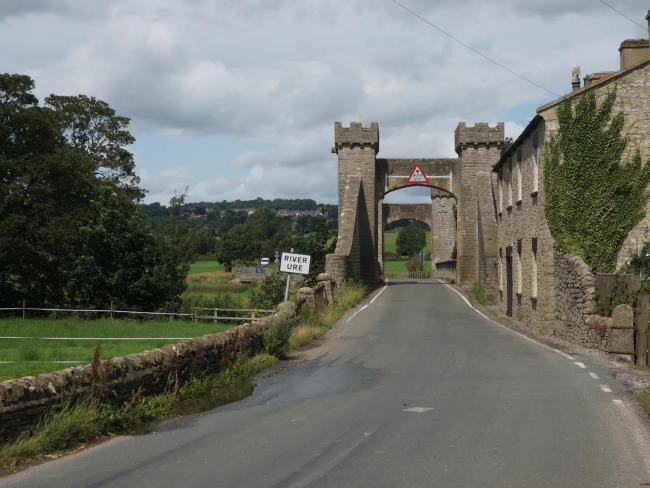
(292, 263)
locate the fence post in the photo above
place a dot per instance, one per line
(641, 316)
(194, 315)
(111, 309)
(216, 315)
(24, 309)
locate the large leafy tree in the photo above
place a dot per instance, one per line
(594, 195)
(410, 240)
(71, 230)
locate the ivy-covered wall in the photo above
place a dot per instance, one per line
(595, 193)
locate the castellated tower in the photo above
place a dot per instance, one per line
(356, 147)
(478, 148)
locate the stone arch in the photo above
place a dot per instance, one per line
(467, 180)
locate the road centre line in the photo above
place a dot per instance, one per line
(594, 375)
(605, 388)
(561, 353)
(579, 364)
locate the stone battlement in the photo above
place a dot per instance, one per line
(480, 134)
(356, 136)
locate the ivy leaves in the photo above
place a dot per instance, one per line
(593, 197)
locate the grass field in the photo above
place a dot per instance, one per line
(205, 265)
(208, 286)
(34, 354)
(399, 266)
(215, 289)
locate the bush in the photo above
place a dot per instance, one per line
(271, 292)
(276, 338)
(414, 264)
(478, 292)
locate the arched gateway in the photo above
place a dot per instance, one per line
(464, 183)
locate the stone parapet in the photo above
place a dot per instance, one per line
(481, 134)
(356, 136)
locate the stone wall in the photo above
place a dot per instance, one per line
(443, 228)
(478, 148)
(23, 401)
(575, 298)
(522, 232)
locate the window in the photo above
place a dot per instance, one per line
(533, 285)
(500, 269)
(500, 191)
(535, 163)
(518, 175)
(510, 184)
(519, 268)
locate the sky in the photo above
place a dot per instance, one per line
(238, 98)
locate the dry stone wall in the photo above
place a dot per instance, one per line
(575, 298)
(23, 401)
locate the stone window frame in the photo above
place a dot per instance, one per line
(518, 174)
(534, 271)
(500, 270)
(535, 164)
(500, 187)
(519, 270)
(509, 208)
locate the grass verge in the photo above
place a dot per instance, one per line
(644, 399)
(479, 293)
(76, 423)
(314, 322)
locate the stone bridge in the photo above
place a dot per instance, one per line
(437, 215)
(461, 205)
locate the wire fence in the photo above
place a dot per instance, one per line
(198, 313)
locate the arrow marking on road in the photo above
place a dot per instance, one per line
(417, 409)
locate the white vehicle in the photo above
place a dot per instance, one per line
(265, 262)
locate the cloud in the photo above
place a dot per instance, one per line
(278, 74)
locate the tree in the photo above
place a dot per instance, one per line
(410, 240)
(71, 230)
(593, 196)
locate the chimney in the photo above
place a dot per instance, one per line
(575, 79)
(635, 51)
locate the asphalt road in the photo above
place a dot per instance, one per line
(488, 409)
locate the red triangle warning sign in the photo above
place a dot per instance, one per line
(417, 176)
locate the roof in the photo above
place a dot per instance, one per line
(532, 125)
(615, 75)
(595, 84)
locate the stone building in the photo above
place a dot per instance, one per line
(536, 282)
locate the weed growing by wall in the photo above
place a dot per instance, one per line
(593, 197)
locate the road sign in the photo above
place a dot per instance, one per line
(295, 263)
(417, 176)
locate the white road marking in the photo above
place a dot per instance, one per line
(417, 409)
(638, 429)
(580, 365)
(355, 313)
(561, 353)
(378, 293)
(594, 375)
(605, 388)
